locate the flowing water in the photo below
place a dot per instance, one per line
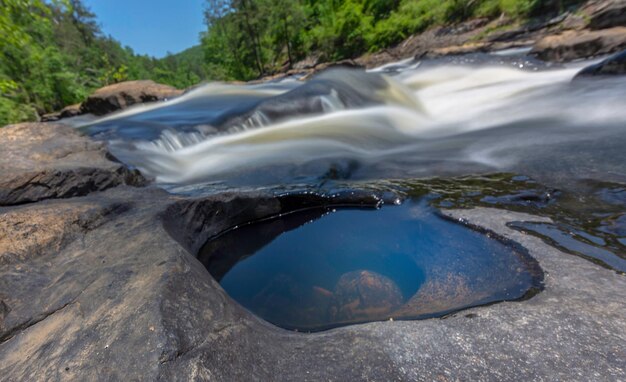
(500, 130)
(434, 119)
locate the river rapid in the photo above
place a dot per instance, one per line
(458, 119)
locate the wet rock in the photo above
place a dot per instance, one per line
(571, 45)
(348, 63)
(363, 295)
(43, 161)
(124, 94)
(338, 88)
(614, 65)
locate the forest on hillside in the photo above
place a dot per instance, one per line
(246, 39)
(53, 52)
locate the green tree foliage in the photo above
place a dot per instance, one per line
(249, 38)
(53, 54)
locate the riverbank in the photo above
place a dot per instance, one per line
(596, 28)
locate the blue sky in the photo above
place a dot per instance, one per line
(152, 27)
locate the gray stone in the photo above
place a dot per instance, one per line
(571, 45)
(605, 13)
(125, 299)
(106, 286)
(124, 94)
(42, 161)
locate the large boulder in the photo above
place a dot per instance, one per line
(605, 13)
(614, 65)
(124, 94)
(43, 161)
(571, 45)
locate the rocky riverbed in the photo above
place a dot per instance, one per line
(99, 269)
(102, 282)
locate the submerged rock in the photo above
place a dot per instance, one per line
(571, 45)
(614, 65)
(124, 94)
(364, 295)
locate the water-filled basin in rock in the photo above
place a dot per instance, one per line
(322, 268)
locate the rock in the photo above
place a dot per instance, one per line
(614, 65)
(66, 112)
(327, 65)
(124, 94)
(574, 21)
(364, 295)
(605, 13)
(373, 60)
(458, 50)
(308, 63)
(571, 45)
(121, 297)
(43, 161)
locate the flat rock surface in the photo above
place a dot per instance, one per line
(122, 297)
(605, 13)
(41, 161)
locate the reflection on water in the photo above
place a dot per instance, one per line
(318, 269)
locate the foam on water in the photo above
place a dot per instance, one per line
(492, 116)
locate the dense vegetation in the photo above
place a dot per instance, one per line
(249, 38)
(53, 53)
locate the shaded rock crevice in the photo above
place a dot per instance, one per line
(192, 222)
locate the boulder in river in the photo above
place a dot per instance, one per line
(571, 45)
(124, 94)
(614, 65)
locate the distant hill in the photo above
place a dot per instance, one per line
(182, 69)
